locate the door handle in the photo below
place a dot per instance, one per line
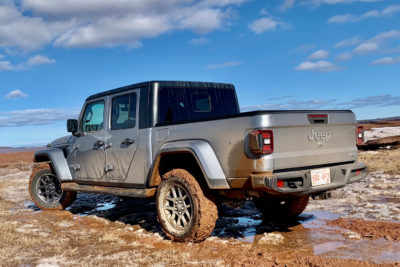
(127, 141)
(98, 144)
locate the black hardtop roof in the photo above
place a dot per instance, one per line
(176, 84)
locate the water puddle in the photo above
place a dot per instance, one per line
(309, 234)
(105, 206)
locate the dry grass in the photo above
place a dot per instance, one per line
(14, 244)
(4, 205)
(386, 160)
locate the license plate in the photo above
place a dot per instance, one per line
(320, 177)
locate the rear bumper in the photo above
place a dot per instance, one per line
(299, 182)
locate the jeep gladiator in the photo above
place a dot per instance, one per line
(187, 145)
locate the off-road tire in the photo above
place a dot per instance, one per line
(203, 211)
(42, 170)
(281, 208)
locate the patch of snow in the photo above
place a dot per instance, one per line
(376, 133)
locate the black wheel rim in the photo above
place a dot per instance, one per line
(178, 207)
(49, 188)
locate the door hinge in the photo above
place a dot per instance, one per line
(108, 145)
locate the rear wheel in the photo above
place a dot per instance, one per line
(282, 208)
(45, 190)
(184, 211)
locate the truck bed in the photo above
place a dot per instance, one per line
(229, 138)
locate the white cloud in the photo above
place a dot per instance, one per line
(6, 65)
(14, 94)
(383, 100)
(199, 41)
(224, 65)
(366, 48)
(40, 60)
(346, 56)
(342, 18)
(204, 20)
(33, 24)
(35, 116)
(346, 18)
(334, 2)
(348, 42)
(386, 61)
(321, 66)
(383, 36)
(261, 25)
(22, 32)
(293, 104)
(124, 22)
(287, 4)
(112, 32)
(320, 54)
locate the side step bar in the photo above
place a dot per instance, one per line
(125, 192)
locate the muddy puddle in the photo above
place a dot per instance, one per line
(309, 234)
(95, 229)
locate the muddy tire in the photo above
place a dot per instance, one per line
(281, 208)
(45, 189)
(185, 211)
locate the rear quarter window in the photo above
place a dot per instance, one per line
(187, 104)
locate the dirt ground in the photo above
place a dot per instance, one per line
(358, 226)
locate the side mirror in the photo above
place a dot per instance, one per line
(72, 126)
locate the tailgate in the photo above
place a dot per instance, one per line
(313, 138)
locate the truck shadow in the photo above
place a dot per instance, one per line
(233, 222)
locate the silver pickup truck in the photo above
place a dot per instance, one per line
(188, 145)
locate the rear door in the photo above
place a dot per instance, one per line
(122, 136)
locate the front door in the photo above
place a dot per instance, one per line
(122, 136)
(89, 154)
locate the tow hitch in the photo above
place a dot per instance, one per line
(323, 195)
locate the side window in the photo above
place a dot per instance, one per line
(201, 102)
(173, 105)
(93, 117)
(123, 112)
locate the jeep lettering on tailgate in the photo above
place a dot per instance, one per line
(319, 136)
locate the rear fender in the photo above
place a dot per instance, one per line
(58, 161)
(205, 157)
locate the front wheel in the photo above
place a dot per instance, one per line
(186, 214)
(45, 190)
(281, 208)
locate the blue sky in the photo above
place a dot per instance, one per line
(280, 54)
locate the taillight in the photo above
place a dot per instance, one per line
(360, 135)
(262, 142)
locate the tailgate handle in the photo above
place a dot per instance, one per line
(318, 118)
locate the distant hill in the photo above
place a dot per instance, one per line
(4, 150)
(397, 118)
